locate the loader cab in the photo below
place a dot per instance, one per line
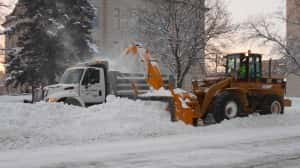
(243, 66)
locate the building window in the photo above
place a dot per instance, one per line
(116, 19)
(116, 12)
(134, 13)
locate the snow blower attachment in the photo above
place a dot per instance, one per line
(154, 77)
(186, 106)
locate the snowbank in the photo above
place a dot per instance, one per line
(14, 99)
(161, 93)
(42, 124)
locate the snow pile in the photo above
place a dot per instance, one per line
(14, 99)
(161, 93)
(29, 126)
(42, 124)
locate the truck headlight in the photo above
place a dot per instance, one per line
(52, 100)
(285, 80)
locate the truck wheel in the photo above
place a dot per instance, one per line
(226, 106)
(273, 104)
(71, 101)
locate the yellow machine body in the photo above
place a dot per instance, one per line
(251, 93)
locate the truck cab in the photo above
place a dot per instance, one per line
(82, 85)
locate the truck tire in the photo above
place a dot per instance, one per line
(272, 104)
(226, 106)
(71, 101)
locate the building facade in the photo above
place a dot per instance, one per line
(2, 70)
(2, 61)
(112, 29)
(293, 42)
(293, 20)
(10, 42)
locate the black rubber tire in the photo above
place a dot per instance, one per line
(73, 102)
(268, 101)
(195, 122)
(220, 103)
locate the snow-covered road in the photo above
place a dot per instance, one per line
(249, 149)
(133, 140)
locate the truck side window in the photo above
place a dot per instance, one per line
(91, 76)
(94, 76)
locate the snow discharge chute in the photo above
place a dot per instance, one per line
(154, 77)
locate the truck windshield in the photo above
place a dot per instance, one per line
(72, 76)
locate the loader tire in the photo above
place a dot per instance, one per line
(226, 106)
(272, 104)
(71, 101)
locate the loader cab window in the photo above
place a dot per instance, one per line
(255, 66)
(92, 76)
(236, 66)
(230, 65)
(242, 71)
(244, 67)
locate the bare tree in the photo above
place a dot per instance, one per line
(180, 31)
(287, 46)
(3, 5)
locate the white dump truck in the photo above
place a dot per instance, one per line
(89, 84)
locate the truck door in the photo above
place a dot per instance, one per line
(92, 90)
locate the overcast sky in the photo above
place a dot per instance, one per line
(242, 9)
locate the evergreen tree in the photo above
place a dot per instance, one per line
(54, 34)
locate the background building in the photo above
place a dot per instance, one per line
(2, 61)
(293, 18)
(2, 70)
(293, 42)
(113, 26)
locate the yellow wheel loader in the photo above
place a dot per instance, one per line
(241, 91)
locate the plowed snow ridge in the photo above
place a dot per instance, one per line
(40, 125)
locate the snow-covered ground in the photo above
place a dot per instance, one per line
(14, 99)
(127, 133)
